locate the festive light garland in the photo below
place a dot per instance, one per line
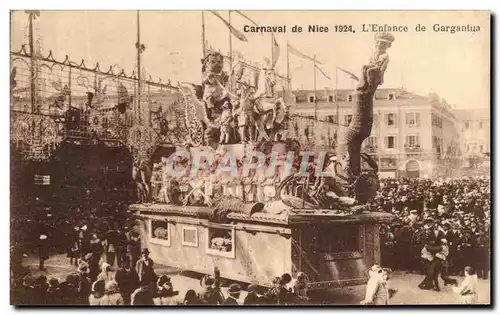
(35, 136)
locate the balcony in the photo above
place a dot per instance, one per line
(413, 149)
(370, 149)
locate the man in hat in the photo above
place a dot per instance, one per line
(209, 295)
(144, 268)
(234, 294)
(128, 281)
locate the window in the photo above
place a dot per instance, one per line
(391, 97)
(349, 98)
(467, 125)
(330, 98)
(371, 142)
(390, 119)
(220, 241)
(481, 148)
(190, 236)
(412, 141)
(347, 119)
(481, 125)
(159, 232)
(412, 119)
(390, 142)
(296, 98)
(331, 118)
(311, 98)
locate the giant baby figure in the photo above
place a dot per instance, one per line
(214, 82)
(362, 117)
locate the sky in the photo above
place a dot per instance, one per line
(456, 66)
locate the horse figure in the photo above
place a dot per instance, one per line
(141, 174)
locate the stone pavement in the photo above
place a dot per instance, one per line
(406, 284)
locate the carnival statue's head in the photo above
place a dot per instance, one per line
(213, 62)
(383, 41)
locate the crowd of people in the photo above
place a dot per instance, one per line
(111, 268)
(438, 227)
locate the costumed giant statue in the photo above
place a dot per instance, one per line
(372, 75)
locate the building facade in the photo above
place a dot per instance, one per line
(475, 133)
(412, 135)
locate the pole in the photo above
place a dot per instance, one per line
(138, 93)
(32, 65)
(315, 100)
(287, 69)
(230, 51)
(379, 147)
(69, 86)
(337, 102)
(272, 64)
(203, 44)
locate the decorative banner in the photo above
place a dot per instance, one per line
(236, 33)
(297, 53)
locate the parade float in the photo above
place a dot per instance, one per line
(258, 224)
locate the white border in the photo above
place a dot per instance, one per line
(213, 252)
(190, 228)
(157, 241)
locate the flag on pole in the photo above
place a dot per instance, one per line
(236, 33)
(276, 51)
(297, 53)
(351, 75)
(323, 73)
(246, 17)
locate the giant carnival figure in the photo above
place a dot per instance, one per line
(372, 75)
(263, 110)
(214, 82)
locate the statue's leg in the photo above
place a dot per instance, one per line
(354, 150)
(362, 84)
(242, 134)
(251, 132)
(139, 192)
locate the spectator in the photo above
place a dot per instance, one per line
(127, 280)
(234, 295)
(105, 274)
(252, 297)
(97, 295)
(144, 267)
(113, 296)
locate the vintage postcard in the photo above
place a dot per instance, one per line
(243, 158)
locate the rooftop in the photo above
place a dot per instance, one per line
(473, 114)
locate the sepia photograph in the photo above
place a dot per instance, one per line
(250, 158)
